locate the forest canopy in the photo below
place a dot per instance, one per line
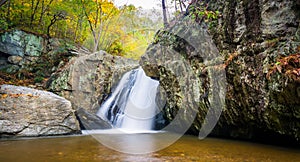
(95, 24)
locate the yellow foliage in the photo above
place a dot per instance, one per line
(26, 5)
(81, 19)
(3, 96)
(92, 20)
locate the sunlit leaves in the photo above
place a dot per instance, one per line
(200, 13)
(289, 66)
(96, 24)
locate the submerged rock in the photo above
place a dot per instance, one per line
(29, 112)
(89, 121)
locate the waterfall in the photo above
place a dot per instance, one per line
(131, 106)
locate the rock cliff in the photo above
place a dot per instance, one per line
(260, 41)
(258, 44)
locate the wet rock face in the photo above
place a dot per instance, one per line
(251, 37)
(245, 21)
(87, 80)
(279, 18)
(181, 61)
(29, 112)
(89, 121)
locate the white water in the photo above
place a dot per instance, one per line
(132, 105)
(119, 131)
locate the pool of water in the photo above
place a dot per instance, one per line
(187, 148)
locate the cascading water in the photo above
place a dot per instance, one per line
(132, 105)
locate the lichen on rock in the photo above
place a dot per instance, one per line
(250, 36)
(29, 112)
(187, 67)
(87, 80)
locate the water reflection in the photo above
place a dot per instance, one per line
(141, 143)
(188, 148)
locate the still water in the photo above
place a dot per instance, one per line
(187, 148)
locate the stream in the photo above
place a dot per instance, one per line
(187, 148)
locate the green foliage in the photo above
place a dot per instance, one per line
(3, 24)
(96, 24)
(38, 79)
(131, 30)
(116, 48)
(200, 12)
(64, 19)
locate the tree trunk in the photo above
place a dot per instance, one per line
(2, 2)
(53, 20)
(8, 12)
(34, 11)
(164, 13)
(180, 4)
(42, 12)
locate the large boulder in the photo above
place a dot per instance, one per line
(87, 80)
(259, 43)
(20, 43)
(29, 112)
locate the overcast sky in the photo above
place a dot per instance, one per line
(146, 4)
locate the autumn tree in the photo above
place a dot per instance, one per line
(98, 14)
(96, 24)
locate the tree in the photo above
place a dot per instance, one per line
(164, 13)
(56, 17)
(96, 24)
(98, 14)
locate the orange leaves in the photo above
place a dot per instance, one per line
(230, 58)
(4, 96)
(289, 66)
(294, 74)
(13, 79)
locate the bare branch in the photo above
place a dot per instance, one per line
(2, 2)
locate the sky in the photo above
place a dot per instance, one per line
(146, 4)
